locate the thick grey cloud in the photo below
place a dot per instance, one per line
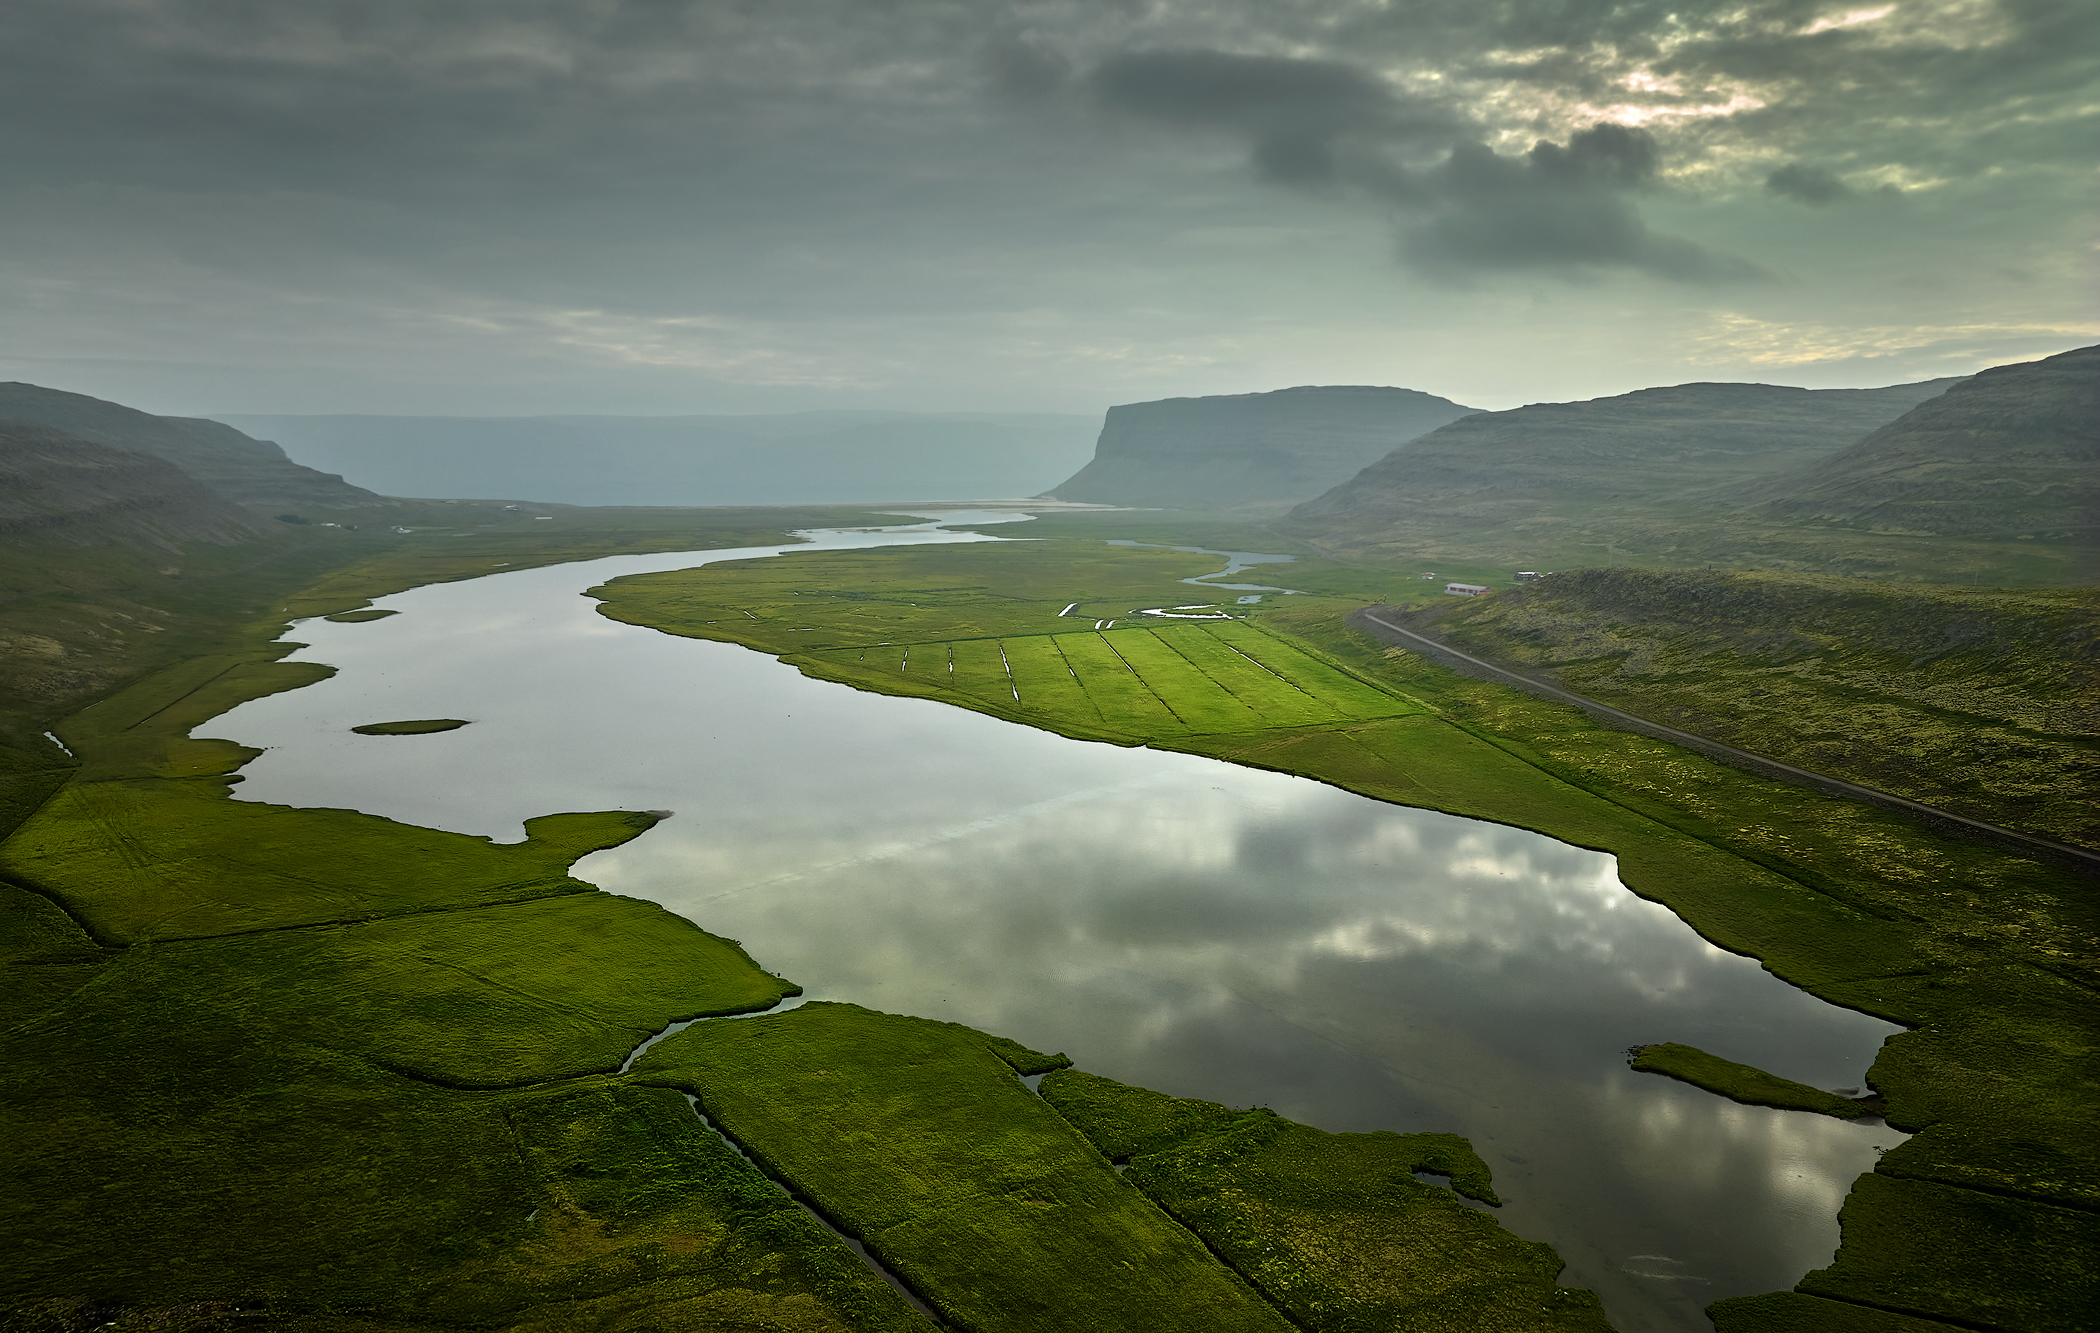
(1807, 185)
(1042, 204)
(1294, 112)
(1558, 207)
(1326, 123)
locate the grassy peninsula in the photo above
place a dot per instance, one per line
(1740, 1082)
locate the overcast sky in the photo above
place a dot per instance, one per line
(667, 206)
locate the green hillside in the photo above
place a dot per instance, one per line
(1638, 451)
(1979, 701)
(2013, 452)
(217, 456)
(1982, 481)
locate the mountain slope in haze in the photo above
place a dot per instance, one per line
(1976, 700)
(2011, 452)
(1250, 451)
(60, 490)
(219, 457)
(789, 458)
(1650, 449)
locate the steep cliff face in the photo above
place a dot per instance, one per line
(2012, 452)
(241, 469)
(1250, 451)
(60, 490)
(1635, 453)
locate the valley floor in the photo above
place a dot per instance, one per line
(323, 1071)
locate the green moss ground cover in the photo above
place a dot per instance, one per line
(1335, 1228)
(281, 1123)
(1125, 1122)
(919, 1139)
(1739, 1082)
(1976, 700)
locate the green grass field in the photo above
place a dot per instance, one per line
(1140, 683)
(917, 1138)
(943, 621)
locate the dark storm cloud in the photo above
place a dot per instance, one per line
(1294, 112)
(1807, 185)
(1314, 123)
(1558, 207)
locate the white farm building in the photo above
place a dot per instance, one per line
(1466, 590)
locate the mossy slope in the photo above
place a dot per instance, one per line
(917, 1138)
(1976, 700)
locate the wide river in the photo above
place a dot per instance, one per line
(1172, 921)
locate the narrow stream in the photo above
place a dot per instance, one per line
(1173, 921)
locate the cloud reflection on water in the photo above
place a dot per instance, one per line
(1258, 939)
(1204, 929)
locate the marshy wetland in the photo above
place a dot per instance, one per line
(1210, 930)
(388, 1043)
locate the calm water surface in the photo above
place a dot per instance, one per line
(1173, 921)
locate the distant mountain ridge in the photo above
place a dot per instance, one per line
(1653, 447)
(1250, 451)
(222, 459)
(2011, 452)
(788, 458)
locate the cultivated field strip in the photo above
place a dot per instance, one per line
(1121, 696)
(1046, 680)
(1203, 703)
(1141, 681)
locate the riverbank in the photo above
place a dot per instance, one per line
(1981, 1218)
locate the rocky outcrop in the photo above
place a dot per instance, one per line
(1637, 452)
(246, 471)
(60, 490)
(1250, 451)
(2013, 452)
